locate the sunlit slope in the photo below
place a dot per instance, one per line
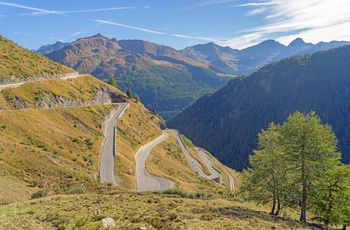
(17, 62)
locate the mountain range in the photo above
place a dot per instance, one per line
(165, 79)
(168, 80)
(248, 60)
(230, 60)
(228, 121)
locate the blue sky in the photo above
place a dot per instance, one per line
(176, 23)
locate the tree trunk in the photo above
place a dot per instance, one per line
(278, 207)
(304, 194)
(273, 204)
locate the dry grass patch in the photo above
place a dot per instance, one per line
(20, 62)
(53, 148)
(135, 210)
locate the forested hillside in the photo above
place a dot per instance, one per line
(228, 121)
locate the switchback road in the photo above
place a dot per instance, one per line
(109, 147)
(195, 165)
(144, 180)
(214, 174)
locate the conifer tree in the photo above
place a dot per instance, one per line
(309, 150)
(112, 81)
(128, 93)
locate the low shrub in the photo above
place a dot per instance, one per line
(40, 193)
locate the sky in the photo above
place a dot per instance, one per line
(176, 23)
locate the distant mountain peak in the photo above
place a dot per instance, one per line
(298, 42)
(98, 36)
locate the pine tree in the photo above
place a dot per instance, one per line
(128, 93)
(266, 181)
(137, 98)
(112, 81)
(331, 200)
(309, 150)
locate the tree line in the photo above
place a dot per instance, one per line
(297, 165)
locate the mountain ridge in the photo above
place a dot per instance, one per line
(164, 79)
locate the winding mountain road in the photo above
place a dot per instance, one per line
(232, 182)
(15, 85)
(194, 164)
(144, 180)
(214, 173)
(109, 147)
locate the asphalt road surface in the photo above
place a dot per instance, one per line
(109, 148)
(144, 180)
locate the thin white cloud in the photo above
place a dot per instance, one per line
(81, 31)
(208, 3)
(26, 7)
(196, 38)
(285, 20)
(127, 26)
(156, 32)
(39, 11)
(256, 11)
(255, 4)
(77, 11)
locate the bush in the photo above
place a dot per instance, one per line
(40, 193)
(75, 190)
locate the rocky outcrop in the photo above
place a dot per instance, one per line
(14, 79)
(102, 96)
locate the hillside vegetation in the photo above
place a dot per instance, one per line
(141, 211)
(228, 121)
(17, 62)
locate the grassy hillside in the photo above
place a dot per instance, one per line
(50, 148)
(16, 61)
(141, 211)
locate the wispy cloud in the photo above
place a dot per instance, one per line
(208, 3)
(256, 4)
(157, 32)
(128, 26)
(39, 11)
(26, 7)
(77, 11)
(196, 38)
(81, 31)
(285, 20)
